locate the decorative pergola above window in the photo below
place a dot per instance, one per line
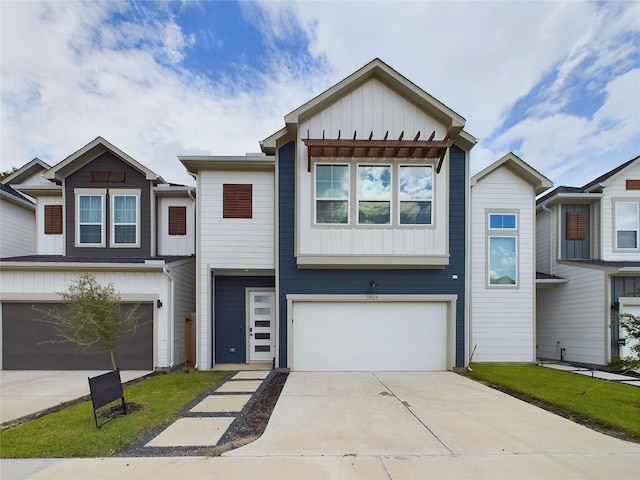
(321, 147)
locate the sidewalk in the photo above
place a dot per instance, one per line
(612, 377)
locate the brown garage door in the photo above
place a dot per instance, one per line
(24, 344)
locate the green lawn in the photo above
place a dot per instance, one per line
(71, 432)
(611, 404)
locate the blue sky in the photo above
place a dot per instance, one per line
(557, 83)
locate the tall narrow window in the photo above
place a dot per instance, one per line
(90, 220)
(502, 249)
(177, 220)
(237, 200)
(626, 225)
(415, 194)
(332, 194)
(125, 220)
(52, 219)
(374, 194)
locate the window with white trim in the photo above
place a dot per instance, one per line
(415, 192)
(374, 194)
(502, 249)
(626, 224)
(332, 193)
(90, 216)
(124, 219)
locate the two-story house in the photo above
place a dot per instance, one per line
(588, 252)
(345, 244)
(98, 211)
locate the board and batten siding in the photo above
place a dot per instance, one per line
(503, 317)
(617, 191)
(133, 286)
(175, 244)
(49, 244)
(371, 107)
(17, 234)
(545, 248)
(573, 316)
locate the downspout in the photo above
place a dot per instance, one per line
(546, 209)
(170, 319)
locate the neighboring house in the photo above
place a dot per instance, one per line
(344, 246)
(18, 211)
(99, 211)
(503, 265)
(588, 249)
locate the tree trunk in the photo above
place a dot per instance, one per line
(113, 360)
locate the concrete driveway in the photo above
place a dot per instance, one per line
(24, 392)
(433, 418)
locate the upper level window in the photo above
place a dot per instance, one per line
(626, 222)
(502, 249)
(332, 194)
(90, 214)
(124, 215)
(415, 190)
(374, 194)
(505, 221)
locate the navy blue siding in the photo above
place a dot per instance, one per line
(230, 316)
(354, 281)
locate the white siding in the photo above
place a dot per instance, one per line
(616, 192)
(574, 314)
(137, 286)
(371, 107)
(176, 244)
(17, 231)
(503, 318)
(236, 243)
(184, 301)
(50, 244)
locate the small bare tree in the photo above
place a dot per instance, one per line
(93, 317)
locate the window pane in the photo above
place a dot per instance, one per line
(124, 209)
(415, 213)
(416, 182)
(502, 260)
(374, 213)
(626, 216)
(90, 209)
(332, 181)
(262, 298)
(374, 182)
(124, 234)
(90, 234)
(329, 211)
(500, 220)
(627, 239)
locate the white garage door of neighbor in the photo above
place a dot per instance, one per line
(356, 336)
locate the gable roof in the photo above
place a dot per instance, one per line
(381, 71)
(594, 186)
(521, 168)
(90, 151)
(27, 171)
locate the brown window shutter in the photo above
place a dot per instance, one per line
(52, 219)
(237, 200)
(575, 226)
(116, 176)
(99, 176)
(633, 184)
(177, 220)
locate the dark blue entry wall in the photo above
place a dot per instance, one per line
(230, 316)
(352, 281)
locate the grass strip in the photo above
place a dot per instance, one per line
(610, 404)
(71, 432)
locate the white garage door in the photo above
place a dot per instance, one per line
(352, 336)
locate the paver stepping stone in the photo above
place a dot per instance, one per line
(251, 375)
(222, 403)
(240, 386)
(193, 432)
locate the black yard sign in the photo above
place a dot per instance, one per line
(105, 389)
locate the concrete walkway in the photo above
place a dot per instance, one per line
(26, 392)
(383, 425)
